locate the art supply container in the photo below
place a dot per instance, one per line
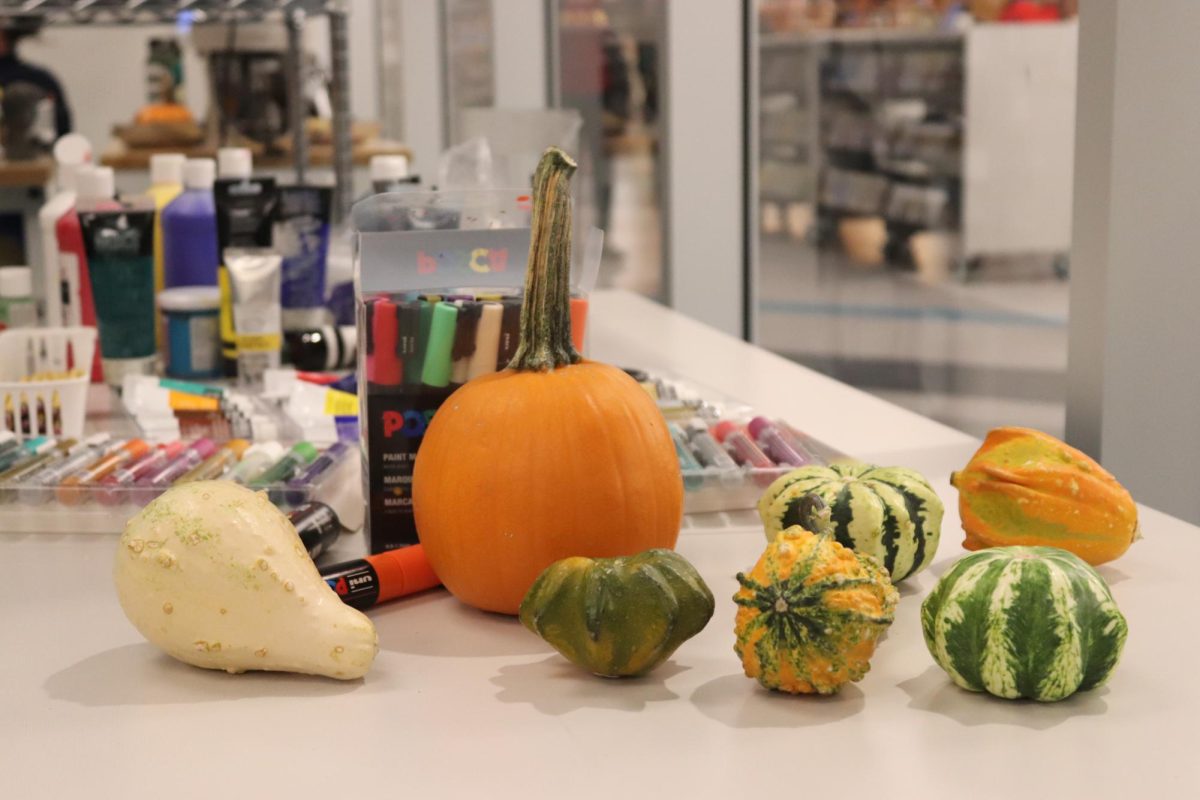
(192, 315)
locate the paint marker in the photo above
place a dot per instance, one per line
(36, 488)
(365, 582)
(24, 451)
(193, 455)
(71, 491)
(215, 465)
(693, 478)
(510, 332)
(299, 486)
(388, 369)
(743, 448)
(579, 310)
(255, 461)
(707, 449)
(464, 339)
(8, 443)
(300, 454)
(415, 365)
(318, 527)
(436, 370)
(408, 331)
(110, 492)
(775, 445)
(821, 452)
(32, 461)
(368, 349)
(487, 341)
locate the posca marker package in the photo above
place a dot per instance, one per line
(438, 280)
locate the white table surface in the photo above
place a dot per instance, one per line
(465, 704)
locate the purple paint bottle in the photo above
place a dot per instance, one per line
(189, 229)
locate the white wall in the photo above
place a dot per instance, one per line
(521, 58)
(704, 161)
(1134, 381)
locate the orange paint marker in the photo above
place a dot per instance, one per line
(579, 310)
(71, 491)
(365, 582)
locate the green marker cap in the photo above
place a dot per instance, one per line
(305, 450)
(436, 370)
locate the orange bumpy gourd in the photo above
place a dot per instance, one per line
(553, 457)
(1024, 487)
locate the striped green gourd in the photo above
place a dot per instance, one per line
(1034, 622)
(891, 513)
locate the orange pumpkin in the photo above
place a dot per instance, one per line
(1024, 487)
(554, 456)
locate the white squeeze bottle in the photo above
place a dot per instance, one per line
(71, 152)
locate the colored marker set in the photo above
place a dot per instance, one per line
(418, 349)
(48, 484)
(438, 279)
(727, 454)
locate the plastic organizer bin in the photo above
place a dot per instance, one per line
(30, 507)
(45, 407)
(738, 485)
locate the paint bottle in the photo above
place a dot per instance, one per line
(390, 174)
(189, 229)
(324, 348)
(193, 342)
(245, 215)
(119, 244)
(17, 306)
(71, 152)
(166, 182)
(79, 307)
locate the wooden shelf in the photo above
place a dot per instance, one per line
(120, 157)
(23, 174)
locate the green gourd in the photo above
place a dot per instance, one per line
(618, 617)
(1034, 622)
(891, 513)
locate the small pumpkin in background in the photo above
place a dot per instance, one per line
(555, 456)
(891, 513)
(811, 611)
(1024, 487)
(618, 617)
(1033, 622)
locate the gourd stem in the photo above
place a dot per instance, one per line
(545, 342)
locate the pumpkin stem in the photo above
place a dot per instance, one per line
(546, 310)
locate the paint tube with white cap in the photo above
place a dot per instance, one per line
(254, 278)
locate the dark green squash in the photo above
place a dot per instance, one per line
(618, 617)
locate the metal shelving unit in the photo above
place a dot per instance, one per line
(292, 13)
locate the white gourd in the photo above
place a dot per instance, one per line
(216, 576)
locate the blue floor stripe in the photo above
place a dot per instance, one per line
(943, 313)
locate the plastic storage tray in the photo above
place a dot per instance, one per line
(96, 508)
(45, 407)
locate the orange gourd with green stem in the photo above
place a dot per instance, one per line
(555, 456)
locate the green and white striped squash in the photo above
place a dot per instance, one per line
(1035, 622)
(891, 513)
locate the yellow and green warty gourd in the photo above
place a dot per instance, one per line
(811, 611)
(618, 617)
